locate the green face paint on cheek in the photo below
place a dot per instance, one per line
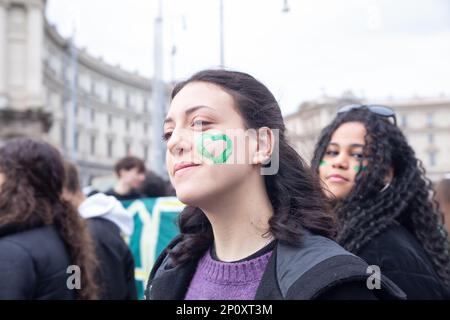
(223, 157)
(322, 163)
(360, 168)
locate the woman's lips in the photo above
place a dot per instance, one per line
(337, 178)
(183, 167)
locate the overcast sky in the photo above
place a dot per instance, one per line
(375, 48)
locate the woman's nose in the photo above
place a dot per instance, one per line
(178, 142)
(340, 162)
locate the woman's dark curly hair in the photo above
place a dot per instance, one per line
(30, 197)
(409, 200)
(294, 191)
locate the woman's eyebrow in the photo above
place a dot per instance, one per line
(350, 146)
(334, 144)
(189, 112)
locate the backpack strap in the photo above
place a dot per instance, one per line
(319, 264)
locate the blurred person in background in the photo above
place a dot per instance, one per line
(41, 235)
(130, 173)
(153, 186)
(382, 200)
(443, 197)
(107, 221)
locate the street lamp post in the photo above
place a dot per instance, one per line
(286, 6)
(72, 126)
(158, 95)
(222, 40)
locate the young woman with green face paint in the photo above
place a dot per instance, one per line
(244, 234)
(382, 200)
(343, 159)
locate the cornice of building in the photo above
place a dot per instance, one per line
(327, 102)
(323, 102)
(415, 102)
(40, 4)
(97, 65)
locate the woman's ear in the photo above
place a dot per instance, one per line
(265, 146)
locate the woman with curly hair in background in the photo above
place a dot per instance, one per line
(40, 234)
(383, 201)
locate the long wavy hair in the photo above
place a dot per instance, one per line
(30, 197)
(294, 191)
(409, 200)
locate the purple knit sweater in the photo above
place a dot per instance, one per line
(215, 280)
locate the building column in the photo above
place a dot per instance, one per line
(35, 48)
(3, 51)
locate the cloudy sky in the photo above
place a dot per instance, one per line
(375, 48)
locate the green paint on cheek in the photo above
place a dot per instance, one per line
(220, 159)
(360, 168)
(322, 163)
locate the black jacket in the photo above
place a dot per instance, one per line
(403, 260)
(317, 269)
(33, 264)
(116, 261)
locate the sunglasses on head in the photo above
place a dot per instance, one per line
(377, 109)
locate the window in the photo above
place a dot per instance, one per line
(127, 148)
(145, 153)
(432, 158)
(429, 120)
(76, 141)
(110, 148)
(430, 138)
(127, 124)
(110, 120)
(93, 87)
(92, 115)
(93, 140)
(63, 135)
(145, 105)
(127, 100)
(110, 95)
(404, 120)
(145, 128)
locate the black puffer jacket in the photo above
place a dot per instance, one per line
(33, 264)
(403, 260)
(116, 261)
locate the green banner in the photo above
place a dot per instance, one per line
(154, 227)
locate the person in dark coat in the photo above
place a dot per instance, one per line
(45, 248)
(382, 200)
(108, 221)
(257, 223)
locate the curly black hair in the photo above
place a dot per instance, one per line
(294, 191)
(409, 200)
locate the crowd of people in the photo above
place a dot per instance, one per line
(306, 231)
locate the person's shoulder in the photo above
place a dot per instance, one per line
(99, 225)
(42, 245)
(11, 247)
(320, 264)
(392, 243)
(33, 236)
(106, 233)
(395, 234)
